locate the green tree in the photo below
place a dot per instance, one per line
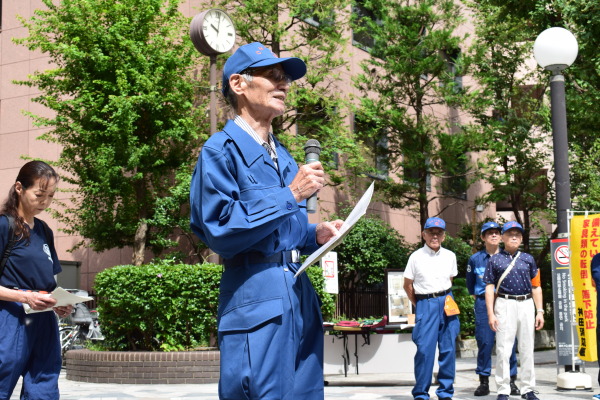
(582, 17)
(369, 248)
(511, 118)
(122, 93)
(415, 66)
(312, 30)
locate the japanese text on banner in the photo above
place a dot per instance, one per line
(585, 243)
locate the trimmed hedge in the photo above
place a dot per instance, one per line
(167, 307)
(158, 306)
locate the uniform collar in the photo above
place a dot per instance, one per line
(430, 251)
(250, 150)
(508, 254)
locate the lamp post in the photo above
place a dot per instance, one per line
(555, 49)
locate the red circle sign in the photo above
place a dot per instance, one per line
(561, 255)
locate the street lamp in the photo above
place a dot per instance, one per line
(555, 49)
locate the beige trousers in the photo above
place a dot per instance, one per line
(515, 319)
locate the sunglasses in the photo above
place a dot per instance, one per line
(273, 74)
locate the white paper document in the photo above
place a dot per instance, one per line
(359, 210)
(63, 298)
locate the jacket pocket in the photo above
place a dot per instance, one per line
(250, 315)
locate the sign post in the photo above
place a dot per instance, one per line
(329, 264)
(563, 303)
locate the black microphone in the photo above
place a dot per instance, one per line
(312, 150)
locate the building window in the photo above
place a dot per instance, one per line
(376, 146)
(316, 17)
(539, 181)
(455, 184)
(412, 176)
(453, 61)
(361, 15)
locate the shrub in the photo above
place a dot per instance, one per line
(369, 248)
(158, 306)
(315, 274)
(466, 304)
(168, 307)
(462, 250)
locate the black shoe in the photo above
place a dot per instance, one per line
(530, 395)
(514, 390)
(502, 397)
(484, 386)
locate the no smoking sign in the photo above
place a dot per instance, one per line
(561, 255)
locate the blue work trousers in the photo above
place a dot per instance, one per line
(29, 347)
(434, 328)
(270, 335)
(485, 337)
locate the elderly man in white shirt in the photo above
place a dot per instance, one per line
(428, 282)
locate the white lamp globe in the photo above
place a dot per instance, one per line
(555, 49)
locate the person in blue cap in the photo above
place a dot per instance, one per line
(29, 342)
(595, 267)
(513, 297)
(427, 282)
(248, 204)
(490, 236)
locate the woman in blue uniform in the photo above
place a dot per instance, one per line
(29, 343)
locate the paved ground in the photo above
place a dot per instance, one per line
(354, 387)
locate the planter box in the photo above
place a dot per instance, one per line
(140, 367)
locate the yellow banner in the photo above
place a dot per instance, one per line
(585, 243)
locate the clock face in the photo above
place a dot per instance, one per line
(218, 31)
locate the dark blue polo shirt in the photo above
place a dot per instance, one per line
(518, 280)
(32, 264)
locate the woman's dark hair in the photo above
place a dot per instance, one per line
(28, 175)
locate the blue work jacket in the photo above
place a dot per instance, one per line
(475, 271)
(240, 201)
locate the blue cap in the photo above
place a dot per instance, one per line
(435, 222)
(512, 225)
(254, 55)
(489, 225)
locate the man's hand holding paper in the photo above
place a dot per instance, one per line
(328, 230)
(332, 233)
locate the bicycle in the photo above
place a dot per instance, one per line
(79, 327)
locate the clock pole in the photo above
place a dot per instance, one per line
(212, 33)
(213, 94)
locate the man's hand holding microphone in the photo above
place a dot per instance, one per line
(306, 184)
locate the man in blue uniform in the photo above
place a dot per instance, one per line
(490, 235)
(427, 282)
(596, 281)
(516, 312)
(248, 204)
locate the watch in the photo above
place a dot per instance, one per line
(212, 32)
(540, 311)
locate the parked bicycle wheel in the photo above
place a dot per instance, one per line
(70, 338)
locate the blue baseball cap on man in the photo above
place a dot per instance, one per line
(435, 222)
(489, 225)
(255, 55)
(512, 225)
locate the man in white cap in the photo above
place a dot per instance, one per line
(428, 282)
(248, 204)
(517, 311)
